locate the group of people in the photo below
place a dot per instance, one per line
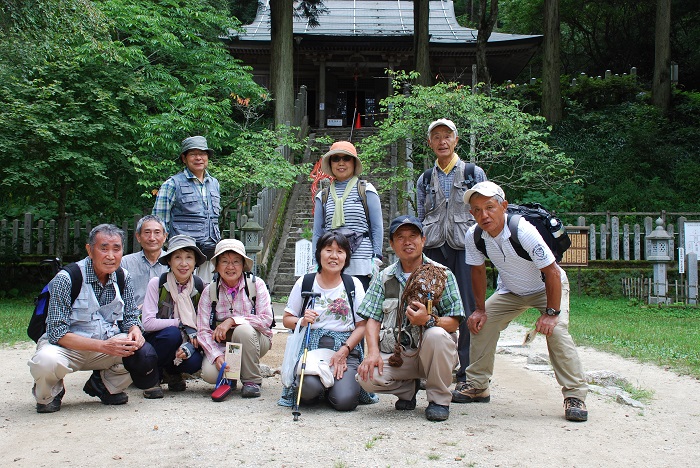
(197, 295)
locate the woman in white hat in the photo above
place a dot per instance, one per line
(342, 207)
(237, 318)
(169, 314)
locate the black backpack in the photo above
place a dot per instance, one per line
(37, 322)
(549, 226)
(307, 285)
(251, 291)
(198, 285)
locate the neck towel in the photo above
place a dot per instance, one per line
(338, 215)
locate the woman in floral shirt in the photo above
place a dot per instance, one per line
(333, 326)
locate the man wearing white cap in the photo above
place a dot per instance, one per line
(441, 209)
(190, 201)
(522, 284)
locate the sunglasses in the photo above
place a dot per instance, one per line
(337, 158)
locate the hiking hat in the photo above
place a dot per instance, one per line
(232, 245)
(143, 359)
(403, 220)
(195, 142)
(340, 147)
(182, 242)
(447, 123)
(486, 188)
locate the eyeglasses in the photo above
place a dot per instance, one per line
(226, 263)
(337, 158)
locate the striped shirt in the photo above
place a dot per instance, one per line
(515, 274)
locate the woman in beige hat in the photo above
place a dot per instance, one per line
(169, 314)
(352, 207)
(237, 318)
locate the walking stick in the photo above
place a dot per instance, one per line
(312, 303)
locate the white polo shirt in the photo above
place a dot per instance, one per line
(515, 274)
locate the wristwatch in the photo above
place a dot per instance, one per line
(431, 322)
(552, 312)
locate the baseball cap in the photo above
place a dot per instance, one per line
(486, 188)
(403, 220)
(446, 122)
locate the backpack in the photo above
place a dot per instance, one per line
(37, 322)
(198, 285)
(469, 177)
(250, 289)
(307, 285)
(549, 226)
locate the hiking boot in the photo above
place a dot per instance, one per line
(250, 390)
(52, 406)
(95, 387)
(153, 393)
(465, 392)
(408, 405)
(435, 412)
(176, 383)
(575, 409)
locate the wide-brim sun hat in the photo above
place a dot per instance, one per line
(232, 245)
(195, 142)
(341, 147)
(487, 189)
(180, 242)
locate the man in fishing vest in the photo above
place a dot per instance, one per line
(190, 201)
(441, 209)
(100, 331)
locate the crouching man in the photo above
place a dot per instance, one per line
(429, 349)
(99, 331)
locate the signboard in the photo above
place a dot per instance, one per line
(334, 122)
(692, 237)
(681, 260)
(577, 254)
(303, 257)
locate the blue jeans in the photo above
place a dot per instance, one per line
(166, 342)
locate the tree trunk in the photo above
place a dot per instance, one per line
(282, 59)
(421, 40)
(487, 21)
(661, 87)
(551, 66)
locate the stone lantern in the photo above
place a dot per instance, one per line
(251, 232)
(659, 253)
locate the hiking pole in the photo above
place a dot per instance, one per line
(312, 303)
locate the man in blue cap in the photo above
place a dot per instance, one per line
(427, 341)
(190, 201)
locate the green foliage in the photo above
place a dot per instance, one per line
(14, 318)
(508, 143)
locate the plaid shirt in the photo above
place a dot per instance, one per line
(450, 304)
(166, 196)
(60, 305)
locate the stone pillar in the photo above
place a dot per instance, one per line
(592, 242)
(626, 242)
(603, 241)
(692, 269)
(322, 94)
(615, 238)
(637, 242)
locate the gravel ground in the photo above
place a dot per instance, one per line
(523, 425)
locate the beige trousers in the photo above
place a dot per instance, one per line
(501, 309)
(434, 362)
(255, 346)
(51, 363)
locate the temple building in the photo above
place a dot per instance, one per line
(343, 61)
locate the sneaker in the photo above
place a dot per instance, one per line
(408, 405)
(52, 406)
(250, 390)
(95, 387)
(575, 409)
(465, 392)
(176, 383)
(435, 412)
(153, 393)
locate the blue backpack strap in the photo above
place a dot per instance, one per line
(349, 285)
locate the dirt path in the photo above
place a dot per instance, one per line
(522, 426)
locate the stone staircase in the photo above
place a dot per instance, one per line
(298, 218)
